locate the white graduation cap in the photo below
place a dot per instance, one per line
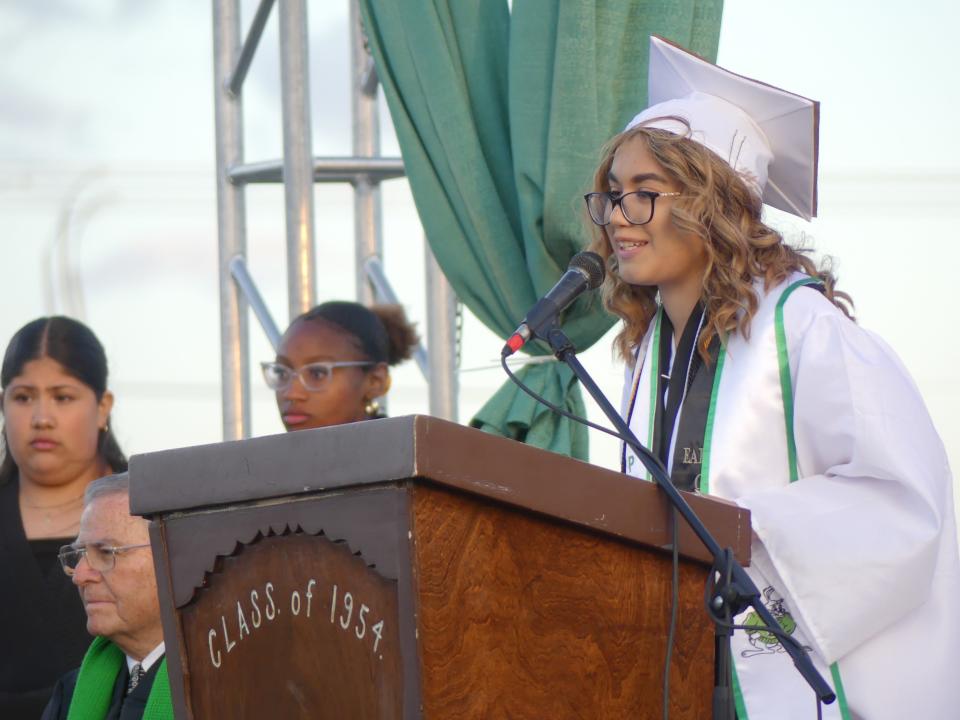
(767, 135)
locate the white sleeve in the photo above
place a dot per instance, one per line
(855, 540)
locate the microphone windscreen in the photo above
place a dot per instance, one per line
(592, 266)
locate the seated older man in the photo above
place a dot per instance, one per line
(123, 675)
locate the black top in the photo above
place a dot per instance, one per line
(42, 622)
(123, 706)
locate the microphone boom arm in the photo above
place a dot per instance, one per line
(741, 591)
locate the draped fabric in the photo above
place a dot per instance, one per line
(500, 117)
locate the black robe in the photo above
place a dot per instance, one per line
(122, 706)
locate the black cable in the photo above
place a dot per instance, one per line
(675, 584)
(782, 635)
(576, 418)
(749, 594)
(779, 634)
(560, 411)
(674, 602)
(709, 595)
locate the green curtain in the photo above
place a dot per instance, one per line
(500, 117)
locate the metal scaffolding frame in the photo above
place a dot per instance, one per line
(298, 170)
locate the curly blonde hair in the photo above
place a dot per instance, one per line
(717, 206)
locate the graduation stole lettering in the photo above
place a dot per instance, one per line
(98, 674)
(686, 392)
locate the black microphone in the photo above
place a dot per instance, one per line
(585, 272)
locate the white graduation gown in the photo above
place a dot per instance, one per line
(859, 553)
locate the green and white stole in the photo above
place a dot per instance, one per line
(98, 675)
(640, 411)
(760, 641)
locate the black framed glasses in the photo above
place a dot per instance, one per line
(100, 557)
(637, 206)
(313, 376)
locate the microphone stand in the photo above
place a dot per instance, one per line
(732, 589)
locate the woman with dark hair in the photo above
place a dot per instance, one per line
(334, 362)
(749, 380)
(56, 440)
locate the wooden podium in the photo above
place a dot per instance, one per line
(410, 568)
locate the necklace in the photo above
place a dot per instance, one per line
(72, 501)
(54, 514)
(51, 521)
(62, 530)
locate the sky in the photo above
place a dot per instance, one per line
(107, 192)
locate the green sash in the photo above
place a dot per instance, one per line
(98, 674)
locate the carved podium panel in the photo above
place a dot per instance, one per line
(295, 594)
(411, 568)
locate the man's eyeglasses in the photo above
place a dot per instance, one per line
(101, 558)
(313, 377)
(637, 207)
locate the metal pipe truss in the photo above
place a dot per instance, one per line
(298, 170)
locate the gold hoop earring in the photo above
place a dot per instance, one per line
(372, 408)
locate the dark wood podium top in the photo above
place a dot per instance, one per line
(311, 462)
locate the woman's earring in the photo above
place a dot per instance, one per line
(372, 408)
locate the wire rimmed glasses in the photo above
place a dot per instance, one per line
(637, 207)
(100, 557)
(313, 376)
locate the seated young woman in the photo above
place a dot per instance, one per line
(56, 440)
(334, 361)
